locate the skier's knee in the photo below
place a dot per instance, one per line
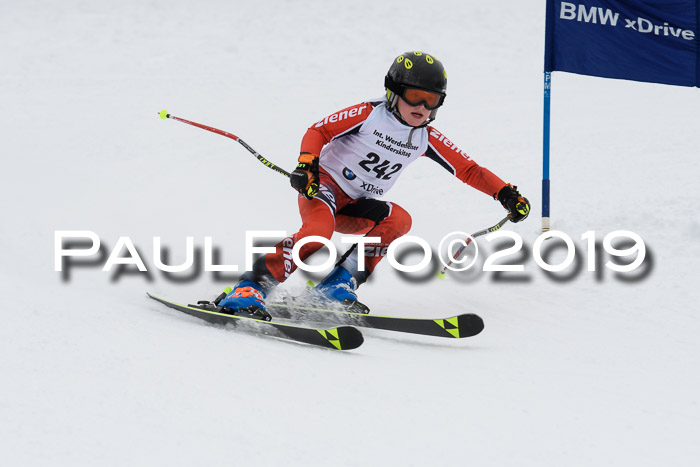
(317, 229)
(401, 219)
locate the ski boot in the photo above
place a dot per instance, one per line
(247, 297)
(339, 286)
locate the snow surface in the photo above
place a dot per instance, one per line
(591, 370)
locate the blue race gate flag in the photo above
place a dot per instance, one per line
(655, 41)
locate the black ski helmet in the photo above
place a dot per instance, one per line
(415, 70)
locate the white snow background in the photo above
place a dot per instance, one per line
(592, 370)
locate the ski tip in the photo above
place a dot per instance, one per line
(470, 325)
(154, 297)
(164, 114)
(344, 337)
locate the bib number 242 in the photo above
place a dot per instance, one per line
(373, 163)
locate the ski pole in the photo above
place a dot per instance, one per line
(164, 114)
(443, 272)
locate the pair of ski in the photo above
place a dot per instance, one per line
(346, 336)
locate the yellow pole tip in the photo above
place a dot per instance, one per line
(164, 114)
(441, 275)
(228, 290)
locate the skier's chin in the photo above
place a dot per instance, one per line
(416, 119)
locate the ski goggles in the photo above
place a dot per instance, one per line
(414, 97)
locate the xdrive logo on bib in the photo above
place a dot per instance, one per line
(368, 187)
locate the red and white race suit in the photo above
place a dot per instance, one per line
(365, 148)
(363, 151)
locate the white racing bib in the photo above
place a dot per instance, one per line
(366, 163)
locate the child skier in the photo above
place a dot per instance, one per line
(352, 156)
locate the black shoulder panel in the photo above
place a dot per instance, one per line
(433, 154)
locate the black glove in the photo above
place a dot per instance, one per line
(304, 179)
(518, 207)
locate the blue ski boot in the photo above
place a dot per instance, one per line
(339, 286)
(246, 297)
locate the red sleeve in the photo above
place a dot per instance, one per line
(458, 163)
(337, 124)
